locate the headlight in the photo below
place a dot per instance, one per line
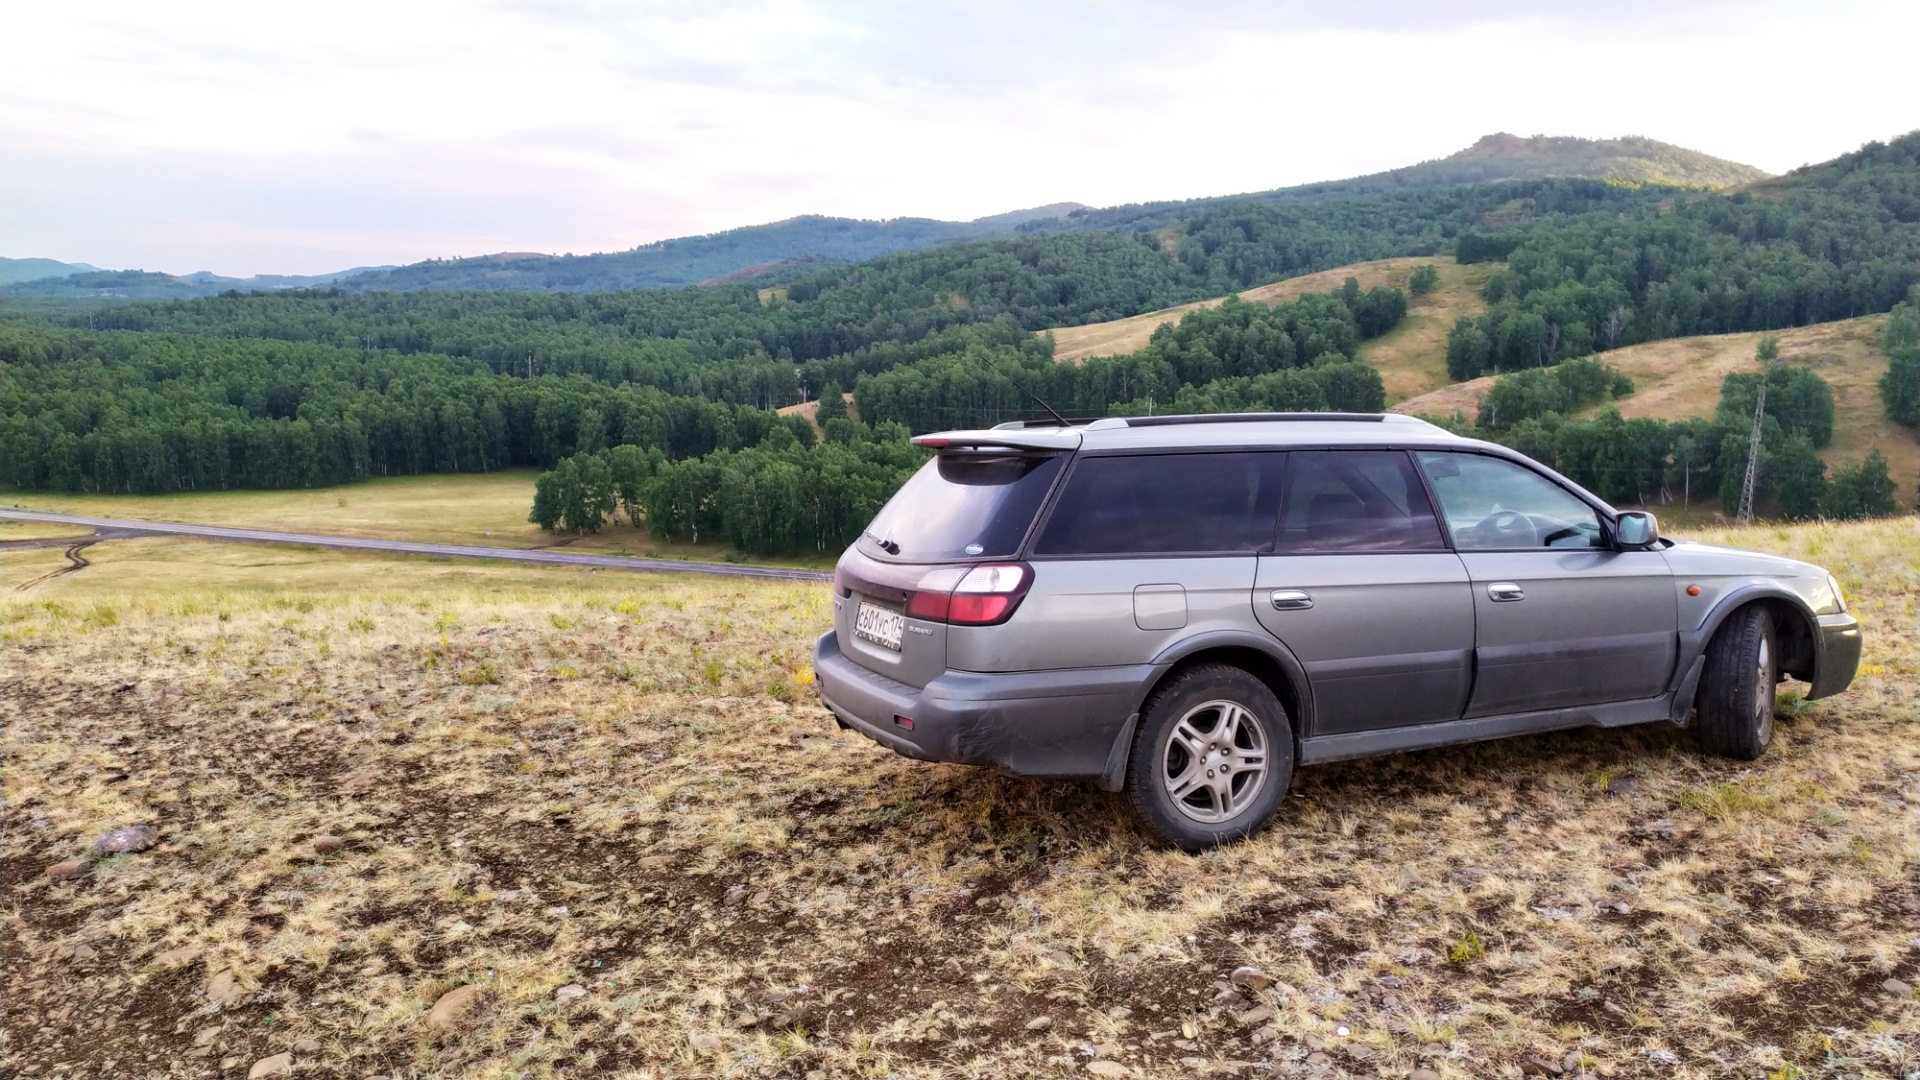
(1839, 598)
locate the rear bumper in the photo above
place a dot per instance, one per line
(1838, 657)
(1031, 723)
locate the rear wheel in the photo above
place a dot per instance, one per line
(1737, 688)
(1211, 759)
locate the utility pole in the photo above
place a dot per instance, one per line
(1769, 352)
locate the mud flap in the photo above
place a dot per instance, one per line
(1114, 776)
(1682, 707)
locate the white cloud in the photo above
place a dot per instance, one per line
(262, 138)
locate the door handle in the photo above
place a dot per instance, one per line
(1503, 592)
(1291, 600)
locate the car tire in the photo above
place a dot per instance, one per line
(1735, 702)
(1211, 758)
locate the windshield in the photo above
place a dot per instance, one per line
(964, 506)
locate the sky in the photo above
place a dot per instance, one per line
(276, 138)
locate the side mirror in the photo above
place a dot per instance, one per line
(1635, 529)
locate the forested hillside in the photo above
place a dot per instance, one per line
(306, 387)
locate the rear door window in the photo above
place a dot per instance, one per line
(964, 506)
(1196, 504)
(1356, 501)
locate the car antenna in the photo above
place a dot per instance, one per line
(1051, 411)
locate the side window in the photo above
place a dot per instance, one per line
(1496, 505)
(1165, 503)
(1355, 501)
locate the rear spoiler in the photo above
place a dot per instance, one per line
(1008, 438)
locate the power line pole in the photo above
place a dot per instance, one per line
(1769, 351)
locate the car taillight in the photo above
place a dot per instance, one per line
(970, 596)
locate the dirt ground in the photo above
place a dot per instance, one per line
(612, 807)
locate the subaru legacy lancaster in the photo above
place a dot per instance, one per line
(1184, 607)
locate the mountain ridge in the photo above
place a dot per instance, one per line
(778, 250)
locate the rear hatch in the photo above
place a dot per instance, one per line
(941, 551)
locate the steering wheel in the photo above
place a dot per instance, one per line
(1507, 529)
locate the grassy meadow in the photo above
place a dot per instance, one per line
(612, 806)
(485, 509)
(1412, 357)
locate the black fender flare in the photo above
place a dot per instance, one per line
(1693, 643)
(1269, 647)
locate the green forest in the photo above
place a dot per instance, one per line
(677, 387)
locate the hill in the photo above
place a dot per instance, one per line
(95, 284)
(1501, 156)
(1680, 378)
(1411, 357)
(782, 250)
(15, 271)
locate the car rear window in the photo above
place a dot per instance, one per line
(964, 506)
(1194, 504)
(1356, 501)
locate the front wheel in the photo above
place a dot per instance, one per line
(1211, 759)
(1737, 688)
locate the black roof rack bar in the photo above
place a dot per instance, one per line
(1254, 418)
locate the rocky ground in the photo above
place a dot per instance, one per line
(588, 826)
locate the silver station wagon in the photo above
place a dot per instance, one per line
(1185, 607)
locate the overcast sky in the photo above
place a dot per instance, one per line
(280, 138)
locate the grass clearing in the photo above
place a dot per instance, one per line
(551, 778)
(1681, 377)
(484, 509)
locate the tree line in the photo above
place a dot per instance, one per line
(1832, 242)
(1650, 461)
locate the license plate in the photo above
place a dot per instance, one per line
(880, 626)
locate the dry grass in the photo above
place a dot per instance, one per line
(809, 409)
(487, 509)
(1458, 293)
(549, 777)
(39, 530)
(1681, 377)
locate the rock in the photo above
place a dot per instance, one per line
(1433, 1050)
(1108, 1068)
(1622, 785)
(452, 1007)
(570, 992)
(1897, 988)
(1390, 982)
(180, 957)
(1423, 1074)
(306, 1046)
(277, 1065)
(1255, 1017)
(703, 1042)
(328, 845)
(1265, 1035)
(1040, 1023)
(67, 871)
(205, 1036)
(1571, 1061)
(1247, 977)
(83, 952)
(126, 841)
(1360, 1053)
(1318, 1057)
(225, 990)
(1535, 1066)
(1060, 957)
(735, 895)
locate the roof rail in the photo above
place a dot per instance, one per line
(1029, 425)
(1257, 418)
